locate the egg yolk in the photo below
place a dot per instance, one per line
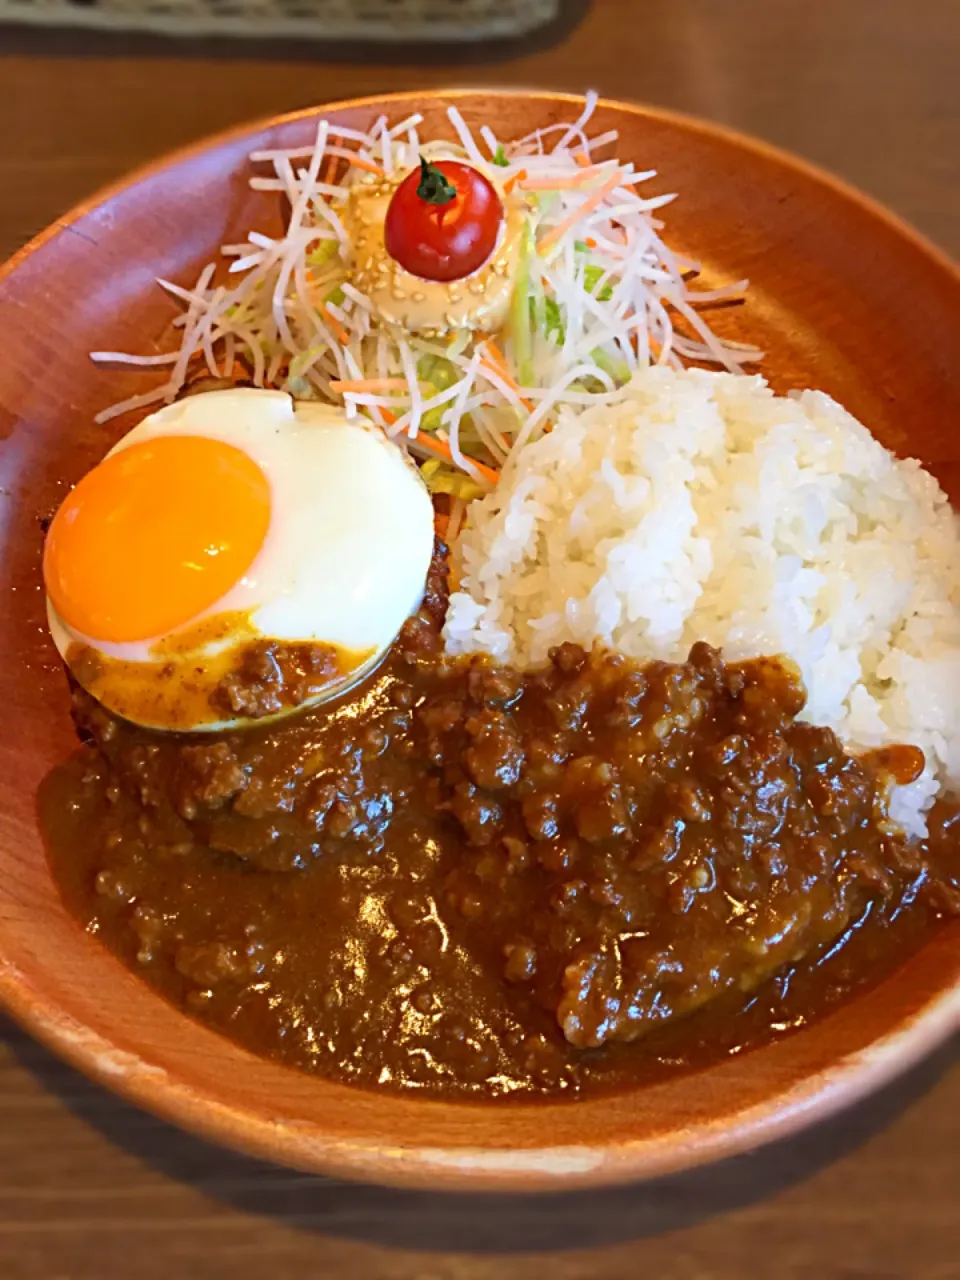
(154, 535)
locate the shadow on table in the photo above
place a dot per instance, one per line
(484, 1224)
(52, 42)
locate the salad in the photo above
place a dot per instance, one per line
(458, 293)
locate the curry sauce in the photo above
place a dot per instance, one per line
(464, 879)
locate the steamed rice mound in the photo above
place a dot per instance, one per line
(700, 506)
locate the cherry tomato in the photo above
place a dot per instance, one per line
(443, 221)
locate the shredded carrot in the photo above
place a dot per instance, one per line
(590, 242)
(511, 182)
(370, 384)
(498, 358)
(510, 380)
(514, 385)
(498, 363)
(591, 202)
(441, 449)
(338, 329)
(561, 184)
(361, 162)
(440, 522)
(582, 159)
(330, 170)
(495, 354)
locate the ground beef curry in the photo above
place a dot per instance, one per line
(467, 880)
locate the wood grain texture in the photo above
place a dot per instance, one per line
(91, 1188)
(867, 88)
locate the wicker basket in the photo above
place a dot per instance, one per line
(381, 20)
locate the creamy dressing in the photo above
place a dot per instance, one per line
(479, 301)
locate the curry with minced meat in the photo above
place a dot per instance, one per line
(469, 880)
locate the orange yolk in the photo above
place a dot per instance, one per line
(154, 535)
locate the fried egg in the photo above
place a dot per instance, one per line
(235, 556)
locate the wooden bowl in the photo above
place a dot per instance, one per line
(842, 297)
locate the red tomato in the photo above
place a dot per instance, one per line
(443, 241)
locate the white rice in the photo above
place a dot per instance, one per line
(701, 506)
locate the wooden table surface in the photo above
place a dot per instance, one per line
(91, 1189)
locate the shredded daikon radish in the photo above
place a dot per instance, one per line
(123, 357)
(599, 295)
